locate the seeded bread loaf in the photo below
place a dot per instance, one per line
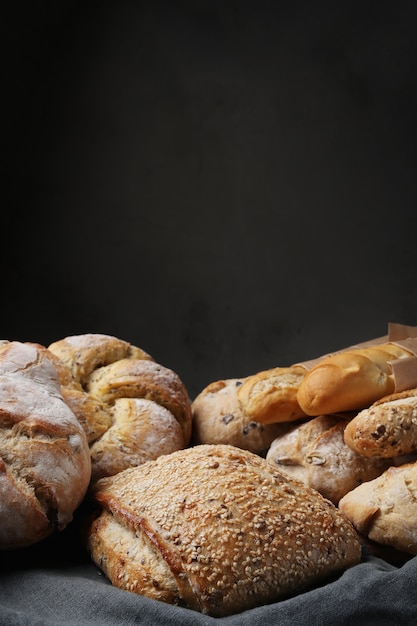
(45, 463)
(386, 429)
(315, 452)
(216, 529)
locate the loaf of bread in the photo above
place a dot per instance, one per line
(315, 453)
(386, 429)
(216, 529)
(131, 408)
(218, 418)
(350, 380)
(45, 463)
(270, 396)
(385, 509)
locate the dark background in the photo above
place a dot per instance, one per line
(229, 185)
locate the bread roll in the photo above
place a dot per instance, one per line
(44, 456)
(385, 509)
(216, 529)
(386, 429)
(218, 417)
(315, 453)
(131, 408)
(350, 380)
(270, 396)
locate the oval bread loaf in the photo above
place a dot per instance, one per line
(386, 429)
(131, 408)
(350, 380)
(216, 529)
(45, 465)
(315, 452)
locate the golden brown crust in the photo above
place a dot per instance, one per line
(316, 453)
(218, 418)
(349, 380)
(385, 509)
(233, 532)
(98, 372)
(270, 396)
(386, 429)
(45, 461)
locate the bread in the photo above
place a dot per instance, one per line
(385, 509)
(45, 463)
(218, 418)
(216, 529)
(350, 380)
(270, 396)
(386, 429)
(315, 452)
(131, 408)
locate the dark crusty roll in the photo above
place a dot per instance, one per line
(216, 529)
(132, 408)
(45, 463)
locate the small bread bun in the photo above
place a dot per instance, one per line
(131, 408)
(218, 418)
(316, 453)
(216, 529)
(385, 509)
(45, 465)
(386, 429)
(270, 396)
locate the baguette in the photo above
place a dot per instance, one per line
(386, 429)
(350, 380)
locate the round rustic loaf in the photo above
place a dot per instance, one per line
(131, 408)
(216, 529)
(45, 465)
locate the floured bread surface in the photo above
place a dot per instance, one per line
(385, 509)
(216, 529)
(316, 453)
(45, 465)
(218, 418)
(131, 408)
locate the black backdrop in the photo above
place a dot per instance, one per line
(229, 185)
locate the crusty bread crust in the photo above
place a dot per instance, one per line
(385, 509)
(386, 429)
(315, 452)
(131, 408)
(270, 396)
(216, 529)
(45, 463)
(349, 380)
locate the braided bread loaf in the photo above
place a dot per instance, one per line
(132, 408)
(44, 456)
